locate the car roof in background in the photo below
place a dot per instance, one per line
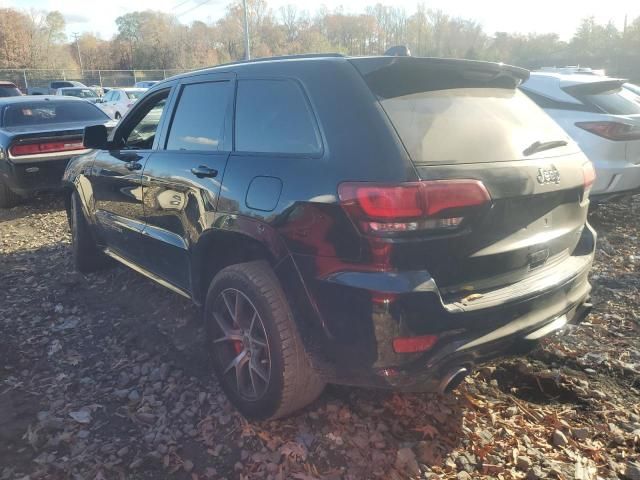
(5, 83)
(552, 84)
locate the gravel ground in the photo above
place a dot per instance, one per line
(104, 376)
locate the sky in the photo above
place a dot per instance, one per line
(514, 16)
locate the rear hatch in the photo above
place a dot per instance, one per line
(467, 120)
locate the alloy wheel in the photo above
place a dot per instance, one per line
(240, 344)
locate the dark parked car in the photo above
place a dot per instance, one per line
(9, 89)
(38, 136)
(376, 221)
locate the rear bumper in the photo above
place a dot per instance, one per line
(362, 312)
(615, 179)
(29, 178)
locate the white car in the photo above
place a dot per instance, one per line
(602, 117)
(117, 101)
(85, 93)
(633, 88)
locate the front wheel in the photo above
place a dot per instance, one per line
(255, 347)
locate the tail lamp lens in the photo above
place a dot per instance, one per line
(412, 206)
(414, 344)
(616, 131)
(22, 149)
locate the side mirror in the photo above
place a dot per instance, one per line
(95, 136)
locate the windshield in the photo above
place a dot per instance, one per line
(9, 91)
(45, 113)
(133, 95)
(80, 93)
(469, 125)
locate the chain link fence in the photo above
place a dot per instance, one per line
(28, 78)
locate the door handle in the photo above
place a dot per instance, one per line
(203, 171)
(133, 165)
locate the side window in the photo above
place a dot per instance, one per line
(107, 96)
(199, 119)
(274, 116)
(141, 132)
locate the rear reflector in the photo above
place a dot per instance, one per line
(414, 344)
(589, 176)
(36, 148)
(616, 131)
(411, 206)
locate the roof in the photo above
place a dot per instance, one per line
(551, 84)
(4, 83)
(37, 99)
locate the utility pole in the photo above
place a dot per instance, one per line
(247, 53)
(76, 36)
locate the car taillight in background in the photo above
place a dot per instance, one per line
(616, 131)
(36, 148)
(380, 209)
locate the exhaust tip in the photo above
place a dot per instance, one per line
(452, 379)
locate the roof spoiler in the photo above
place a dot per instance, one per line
(594, 88)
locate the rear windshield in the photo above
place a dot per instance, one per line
(469, 125)
(618, 101)
(45, 113)
(80, 93)
(9, 91)
(61, 84)
(134, 95)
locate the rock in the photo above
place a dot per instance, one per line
(524, 463)
(463, 476)
(511, 412)
(134, 396)
(147, 418)
(137, 462)
(164, 370)
(81, 416)
(406, 460)
(122, 452)
(238, 467)
(559, 439)
(580, 433)
(187, 466)
(121, 393)
(535, 473)
(632, 471)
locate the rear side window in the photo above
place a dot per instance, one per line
(198, 122)
(133, 95)
(274, 116)
(49, 112)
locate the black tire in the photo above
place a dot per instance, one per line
(8, 198)
(87, 257)
(292, 382)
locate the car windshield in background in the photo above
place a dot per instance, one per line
(134, 95)
(618, 101)
(80, 93)
(45, 113)
(9, 91)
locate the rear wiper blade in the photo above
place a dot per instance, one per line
(538, 146)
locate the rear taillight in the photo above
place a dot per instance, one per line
(589, 176)
(414, 344)
(21, 149)
(380, 209)
(616, 131)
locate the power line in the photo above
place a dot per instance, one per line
(193, 8)
(180, 4)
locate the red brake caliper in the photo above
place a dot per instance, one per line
(237, 346)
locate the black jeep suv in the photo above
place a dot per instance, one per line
(376, 221)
